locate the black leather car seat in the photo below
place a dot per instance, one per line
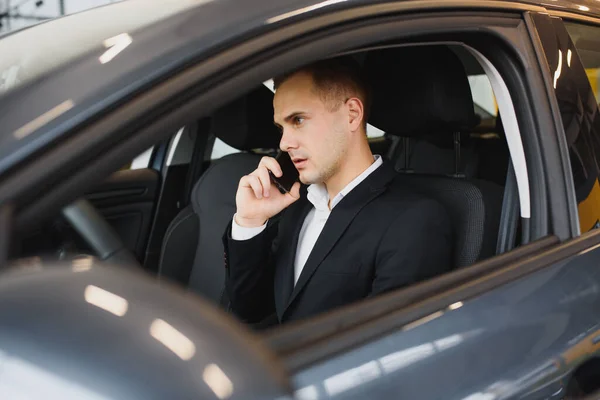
(192, 252)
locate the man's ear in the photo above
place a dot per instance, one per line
(355, 113)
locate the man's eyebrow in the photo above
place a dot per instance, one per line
(292, 115)
(289, 118)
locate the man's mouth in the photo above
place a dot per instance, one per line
(299, 162)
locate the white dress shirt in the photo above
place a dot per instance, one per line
(314, 221)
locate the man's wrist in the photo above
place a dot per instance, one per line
(249, 222)
(239, 232)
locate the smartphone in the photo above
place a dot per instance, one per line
(290, 173)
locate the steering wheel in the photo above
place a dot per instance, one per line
(97, 232)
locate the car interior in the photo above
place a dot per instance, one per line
(435, 119)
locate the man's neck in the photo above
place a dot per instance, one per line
(353, 166)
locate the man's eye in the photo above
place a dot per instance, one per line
(298, 120)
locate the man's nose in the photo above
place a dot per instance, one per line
(287, 141)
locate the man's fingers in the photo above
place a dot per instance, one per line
(252, 182)
(256, 186)
(272, 165)
(263, 174)
(294, 192)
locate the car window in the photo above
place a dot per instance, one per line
(484, 156)
(181, 147)
(221, 149)
(582, 125)
(483, 96)
(142, 161)
(434, 155)
(179, 151)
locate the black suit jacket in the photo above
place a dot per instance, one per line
(380, 236)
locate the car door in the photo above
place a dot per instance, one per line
(140, 199)
(526, 327)
(127, 200)
(437, 340)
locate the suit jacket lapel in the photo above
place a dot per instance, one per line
(284, 283)
(339, 219)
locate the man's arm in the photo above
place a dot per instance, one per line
(250, 269)
(250, 263)
(416, 246)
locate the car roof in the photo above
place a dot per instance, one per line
(54, 79)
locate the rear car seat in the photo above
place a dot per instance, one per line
(192, 252)
(423, 92)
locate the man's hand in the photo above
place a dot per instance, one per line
(257, 199)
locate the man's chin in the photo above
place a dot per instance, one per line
(307, 179)
(304, 179)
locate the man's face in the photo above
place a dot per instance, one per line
(315, 136)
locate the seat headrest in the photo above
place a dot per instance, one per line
(247, 122)
(419, 90)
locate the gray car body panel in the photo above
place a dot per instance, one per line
(85, 330)
(522, 340)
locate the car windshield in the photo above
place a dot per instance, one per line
(30, 53)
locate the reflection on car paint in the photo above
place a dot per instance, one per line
(21, 379)
(523, 340)
(106, 300)
(173, 339)
(115, 45)
(43, 119)
(579, 113)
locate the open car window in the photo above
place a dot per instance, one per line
(446, 161)
(221, 149)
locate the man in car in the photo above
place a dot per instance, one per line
(355, 232)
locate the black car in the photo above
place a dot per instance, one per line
(124, 131)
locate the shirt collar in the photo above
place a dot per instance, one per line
(319, 197)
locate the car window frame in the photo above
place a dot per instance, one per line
(210, 91)
(307, 342)
(302, 353)
(147, 140)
